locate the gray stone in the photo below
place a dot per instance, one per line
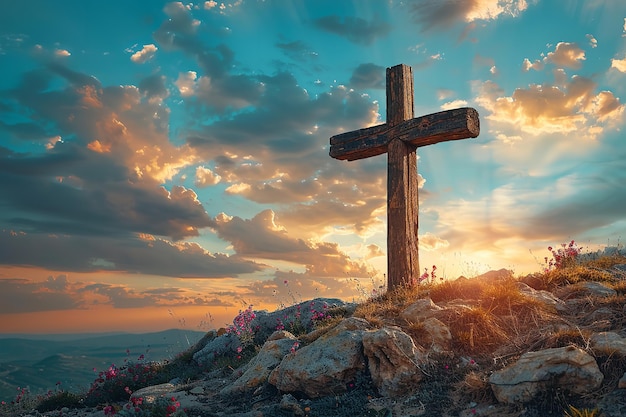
(394, 361)
(259, 368)
(217, 347)
(543, 296)
(608, 343)
(325, 366)
(569, 368)
(420, 310)
(289, 403)
(597, 289)
(439, 333)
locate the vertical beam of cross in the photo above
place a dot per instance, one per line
(402, 198)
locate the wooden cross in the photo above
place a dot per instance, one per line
(399, 138)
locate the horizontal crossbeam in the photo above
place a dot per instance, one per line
(426, 130)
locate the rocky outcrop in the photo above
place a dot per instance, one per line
(257, 371)
(569, 367)
(326, 366)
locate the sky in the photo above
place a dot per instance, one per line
(165, 164)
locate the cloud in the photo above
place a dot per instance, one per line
(144, 55)
(142, 255)
(103, 172)
(263, 238)
(547, 109)
(430, 242)
(567, 55)
(297, 50)
(186, 83)
(24, 296)
(445, 13)
(593, 42)
(537, 65)
(60, 293)
(354, 29)
(205, 177)
(619, 64)
(368, 76)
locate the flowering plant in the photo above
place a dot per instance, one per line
(114, 383)
(242, 327)
(432, 275)
(562, 257)
(136, 407)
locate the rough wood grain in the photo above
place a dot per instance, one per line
(438, 127)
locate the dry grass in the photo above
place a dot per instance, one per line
(460, 289)
(386, 308)
(606, 262)
(474, 329)
(567, 276)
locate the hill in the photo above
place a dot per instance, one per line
(36, 362)
(547, 344)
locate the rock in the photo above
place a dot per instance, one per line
(259, 368)
(543, 296)
(608, 343)
(419, 310)
(569, 368)
(394, 361)
(325, 366)
(603, 313)
(439, 333)
(596, 289)
(217, 347)
(299, 318)
(150, 394)
(289, 403)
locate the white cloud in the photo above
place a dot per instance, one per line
(527, 65)
(592, 40)
(205, 177)
(144, 55)
(619, 64)
(454, 104)
(186, 83)
(492, 9)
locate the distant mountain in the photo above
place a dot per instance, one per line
(38, 363)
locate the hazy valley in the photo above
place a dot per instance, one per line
(40, 362)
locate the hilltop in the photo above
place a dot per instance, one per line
(546, 344)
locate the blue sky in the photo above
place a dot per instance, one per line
(166, 164)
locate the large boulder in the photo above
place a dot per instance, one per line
(259, 368)
(326, 366)
(394, 361)
(298, 319)
(568, 368)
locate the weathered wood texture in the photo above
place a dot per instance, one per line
(438, 127)
(402, 202)
(399, 138)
